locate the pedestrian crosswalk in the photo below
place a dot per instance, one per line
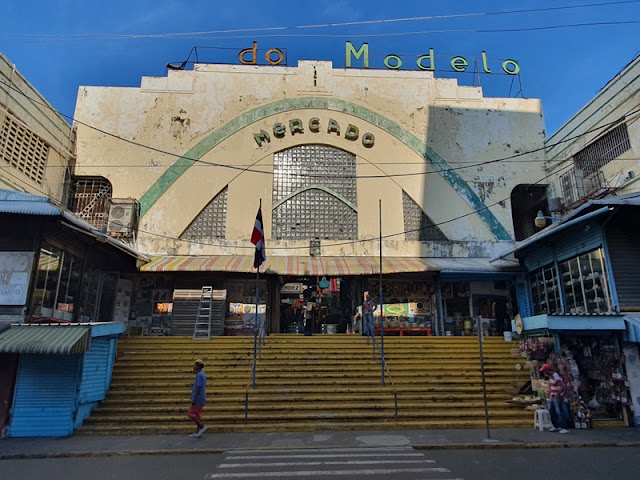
(372, 463)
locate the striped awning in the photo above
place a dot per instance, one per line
(291, 266)
(45, 340)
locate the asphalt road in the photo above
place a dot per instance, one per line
(397, 463)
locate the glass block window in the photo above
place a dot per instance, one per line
(608, 147)
(211, 223)
(314, 193)
(91, 199)
(417, 226)
(23, 149)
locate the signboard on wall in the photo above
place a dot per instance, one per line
(123, 301)
(15, 274)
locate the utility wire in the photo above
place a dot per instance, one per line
(334, 25)
(354, 242)
(350, 242)
(245, 169)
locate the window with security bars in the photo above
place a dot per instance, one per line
(91, 199)
(314, 193)
(605, 149)
(23, 149)
(417, 226)
(211, 223)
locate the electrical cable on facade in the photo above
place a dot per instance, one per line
(245, 169)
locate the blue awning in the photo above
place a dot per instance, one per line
(573, 322)
(632, 323)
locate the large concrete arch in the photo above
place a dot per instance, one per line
(169, 177)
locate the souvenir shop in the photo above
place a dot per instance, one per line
(316, 305)
(487, 300)
(592, 369)
(408, 306)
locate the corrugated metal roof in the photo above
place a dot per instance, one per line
(26, 203)
(474, 265)
(47, 340)
(291, 265)
(21, 203)
(333, 266)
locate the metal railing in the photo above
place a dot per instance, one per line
(383, 362)
(258, 342)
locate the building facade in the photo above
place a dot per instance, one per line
(36, 143)
(581, 286)
(337, 158)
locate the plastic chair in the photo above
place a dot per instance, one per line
(542, 419)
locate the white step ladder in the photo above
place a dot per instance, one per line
(202, 328)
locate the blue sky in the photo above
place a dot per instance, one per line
(60, 45)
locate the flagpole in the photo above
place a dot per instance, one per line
(382, 360)
(255, 323)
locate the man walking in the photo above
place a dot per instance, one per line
(198, 398)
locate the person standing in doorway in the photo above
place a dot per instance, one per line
(198, 398)
(558, 410)
(368, 307)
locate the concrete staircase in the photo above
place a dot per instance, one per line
(323, 382)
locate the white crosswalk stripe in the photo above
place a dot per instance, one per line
(370, 462)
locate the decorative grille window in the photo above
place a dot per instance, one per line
(582, 283)
(211, 223)
(314, 194)
(545, 292)
(23, 149)
(91, 199)
(417, 226)
(605, 149)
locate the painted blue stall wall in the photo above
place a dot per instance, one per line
(112, 358)
(95, 371)
(525, 309)
(96, 376)
(573, 241)
(44, 401)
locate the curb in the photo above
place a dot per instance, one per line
(215, 451)
(516, 446)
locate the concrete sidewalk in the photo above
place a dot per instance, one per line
(93, 446)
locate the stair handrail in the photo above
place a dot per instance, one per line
(258, 342)
(385, 368)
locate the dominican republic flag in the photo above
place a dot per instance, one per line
(257, 238)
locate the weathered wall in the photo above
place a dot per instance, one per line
(429, 135)
(21, 102)
(616, 102)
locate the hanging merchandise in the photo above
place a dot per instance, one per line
(324, 283)
(597, 372)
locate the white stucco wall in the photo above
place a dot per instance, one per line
(616, 103)
(214, 111)
(24, 106)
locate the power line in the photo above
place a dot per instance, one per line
(341, 24)
(248, 169)
(354, 242)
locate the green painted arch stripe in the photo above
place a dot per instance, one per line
(166, 180)
(317, 187)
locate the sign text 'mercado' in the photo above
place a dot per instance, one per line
(297, 126)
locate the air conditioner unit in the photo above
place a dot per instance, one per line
(572, 184)
(123, 217)
(555, 204)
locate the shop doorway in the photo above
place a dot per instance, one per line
(8, 368)
(316, 305)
